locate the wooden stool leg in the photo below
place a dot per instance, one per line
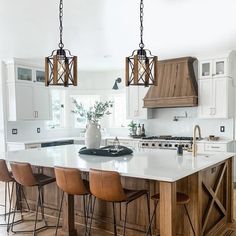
(189, 219)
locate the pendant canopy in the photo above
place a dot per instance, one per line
(61, 66)
(141, 66)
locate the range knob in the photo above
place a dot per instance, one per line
(159, 145)
(176, 145)
(170, 145)
(186, 145)
(143, 144)
(146, 144)
(166, 145)
(153, 144)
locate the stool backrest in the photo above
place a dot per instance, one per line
(23, 174)
(106, 185)
(70, 181)
(5, 175)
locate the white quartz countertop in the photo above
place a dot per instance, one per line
(161, 165)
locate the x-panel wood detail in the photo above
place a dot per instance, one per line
(213, 194)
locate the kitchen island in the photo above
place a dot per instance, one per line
(207, 179)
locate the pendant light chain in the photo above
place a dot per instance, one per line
(61, 45)
(141, 45)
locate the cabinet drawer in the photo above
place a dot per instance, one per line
(216, 147)
(33, 145)
(126, 143)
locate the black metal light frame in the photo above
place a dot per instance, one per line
(141, 66)
(61, 65)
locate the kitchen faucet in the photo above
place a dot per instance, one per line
(194, 148)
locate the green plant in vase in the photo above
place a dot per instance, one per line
(92, 115)
(132, 128)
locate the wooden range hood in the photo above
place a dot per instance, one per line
(176, 85)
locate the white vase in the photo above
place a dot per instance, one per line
(93, 135)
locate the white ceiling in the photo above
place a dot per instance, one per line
(103, 32)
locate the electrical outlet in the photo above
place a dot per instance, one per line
(222, 129)
(14, 131)
(38, 130)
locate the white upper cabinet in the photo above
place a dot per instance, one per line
(215, 98)
(134, 103)
(28, 102)
(27, 98)
(42, 103)
(215, 87)
(20, 71)
(213, 68)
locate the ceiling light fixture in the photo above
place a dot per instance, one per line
(61, 66)
(141, 66)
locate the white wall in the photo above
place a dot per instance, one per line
(163, 123)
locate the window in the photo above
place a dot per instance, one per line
(87, 101)
(118, 116)
(57, 101)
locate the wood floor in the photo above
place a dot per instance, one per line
(229, 231)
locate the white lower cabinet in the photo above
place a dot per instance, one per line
(134, 103)
(28, 102)
(215, 98)
(215, 146)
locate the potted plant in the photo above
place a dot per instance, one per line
(93, 115)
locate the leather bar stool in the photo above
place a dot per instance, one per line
(24, 176)
(6, 178)
(106, 186)
(181, 199)
(69, 180)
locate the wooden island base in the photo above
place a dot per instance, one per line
(210, 191)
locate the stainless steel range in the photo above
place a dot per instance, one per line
(165, 142)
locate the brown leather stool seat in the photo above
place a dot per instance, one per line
(69, 180)
(106, 186)
(24, 176)
(181, 199)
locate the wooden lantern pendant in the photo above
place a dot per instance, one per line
(141, 66)
(61, 69)
(141, 69)
(61, 66)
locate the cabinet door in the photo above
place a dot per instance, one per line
(42, 103)
(24, 74)
(205, 70)
(39, 76)
(132, 102)
(220, 96)
(144, 113)
(205, 98)
(220, 67)
(24, 102)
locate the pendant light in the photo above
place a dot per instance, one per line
(141, 66)
(61, 66)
